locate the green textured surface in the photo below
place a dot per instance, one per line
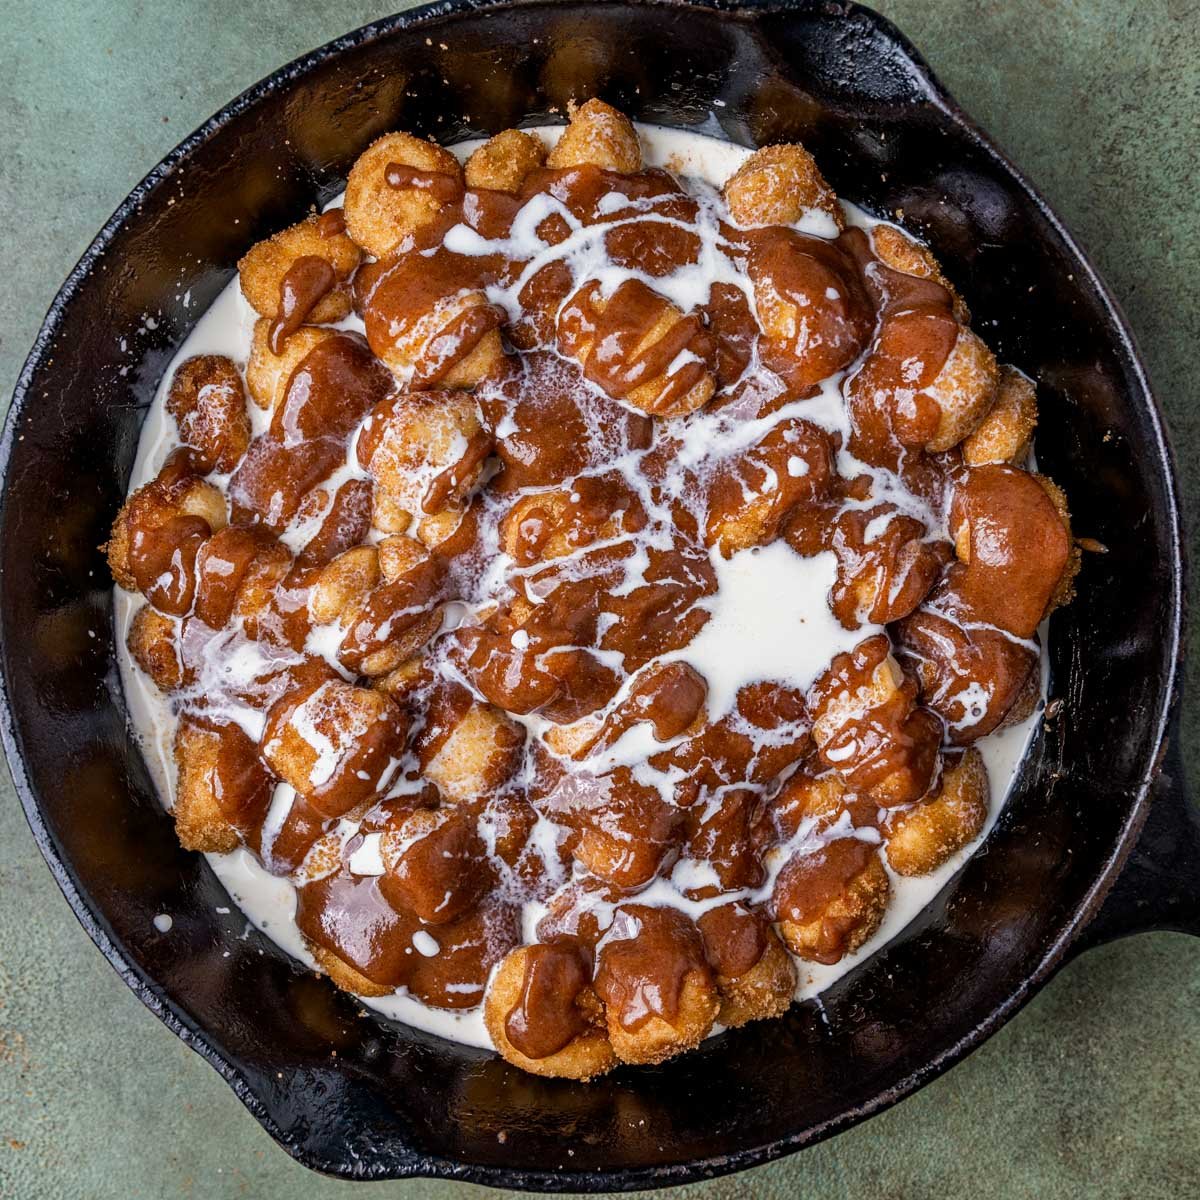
(1092, 1091)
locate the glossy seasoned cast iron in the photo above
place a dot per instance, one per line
(392, 1102)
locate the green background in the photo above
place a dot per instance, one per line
(1092, 1091)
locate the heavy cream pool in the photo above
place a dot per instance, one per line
(748, 630)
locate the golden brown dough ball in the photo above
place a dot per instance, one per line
(254, 602)
(174, 493)
(806, 795)
(267, 373)
(1004, 435)
(262, 269)
(485, 360)
(153, 640)
(208, 401)
(670, 697)
(402, 561)
(336, 744)
(238, 571)
(874, 686)
(896, 249)
(447, 341)
(398, 555)
(867, 688)
(400, 615)
(561, 521)
(379, 216)
(928, 380)
(425, 452)
(222, 785)
(660, 1038)
(1064, 593)
(814, 312)
(964, 390)
(558, 1002)
(947, 658)
(598, 136)
(660, 997)
(755, 976)
(625, 829)
(342, 515)
(778, 185)
(343, 585)
(764, 991)
(925, 836)
(1012, 532)
(641, 322)
(469, 751)
(504, 162)
(830, 901)
(750, 495)
(436, 863)
(887, 563)
(541, 526)
(348, 978)
(199, 823)
(451, 531)
(405, 681)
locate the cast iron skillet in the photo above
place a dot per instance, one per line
(1094, 806)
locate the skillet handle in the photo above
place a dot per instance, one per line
(1159, 887)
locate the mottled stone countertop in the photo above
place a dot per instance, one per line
(1093, 1090)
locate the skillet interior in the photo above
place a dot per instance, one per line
(396, 1102)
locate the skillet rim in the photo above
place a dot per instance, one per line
(406, 1163)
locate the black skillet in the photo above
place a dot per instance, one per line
(1095, 812)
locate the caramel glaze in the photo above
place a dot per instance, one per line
(886, 746)
(735, 938)
(546, 1016)
(607, 567)
(236, 774)
(322, 719)
(304, 284)
(808, 885)
(645, 960)
(345, 522)
(163, 544)
(164, 562)
(329, 393)
(331, 223)
(616, 326)
(977, 625)
(441, 874)
(444, 188)
(349, 916)
(818, 281)
(915, 332)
